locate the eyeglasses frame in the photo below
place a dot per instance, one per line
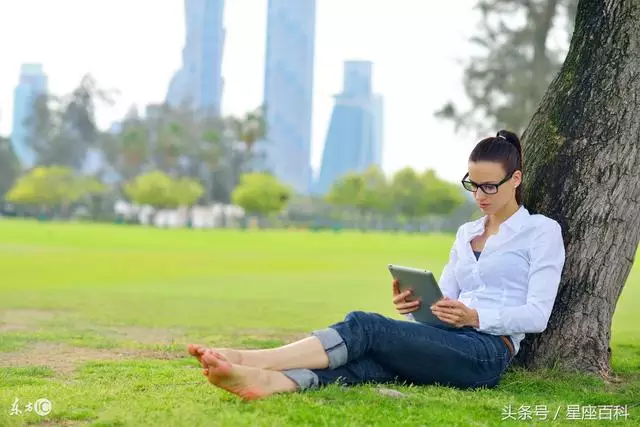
(481, 186)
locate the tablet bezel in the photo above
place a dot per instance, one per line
(424, 286)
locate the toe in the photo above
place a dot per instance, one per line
(209, 358)
(193, 349)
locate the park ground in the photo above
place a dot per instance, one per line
(95, 318)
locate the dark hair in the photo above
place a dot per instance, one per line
(503, 148)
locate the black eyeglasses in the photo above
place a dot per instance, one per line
(486, 188)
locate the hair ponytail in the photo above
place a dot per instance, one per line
(512, 138)
(501, 149)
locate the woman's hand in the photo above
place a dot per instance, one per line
(400, 300)
(455, 313)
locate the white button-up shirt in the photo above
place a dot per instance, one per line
(513, 284)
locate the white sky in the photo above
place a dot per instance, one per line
(135, 46)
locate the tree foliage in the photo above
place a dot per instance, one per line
(261, 194)
(62, 129)
(439, 197)
(52, 186)
(184, 142)
(9, 166)
(159, 190)
(516, 60)
(408, 193)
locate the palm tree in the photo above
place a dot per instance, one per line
(250, 129)
(246, 132)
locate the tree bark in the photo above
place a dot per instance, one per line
(582, 167)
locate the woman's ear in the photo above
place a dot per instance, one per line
(517, 178)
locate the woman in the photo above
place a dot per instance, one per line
(500, 283)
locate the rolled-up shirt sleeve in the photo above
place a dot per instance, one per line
(448, 283)
(547, 256)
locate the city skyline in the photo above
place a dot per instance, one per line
(288, 91)
(199, 81)
(404, 55)
(32, 82)
(353, 142)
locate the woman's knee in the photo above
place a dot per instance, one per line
(363, 318)
(357, 316)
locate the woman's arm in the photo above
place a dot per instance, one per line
(448, 283)
(547, 262)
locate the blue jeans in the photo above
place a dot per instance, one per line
(371, 348)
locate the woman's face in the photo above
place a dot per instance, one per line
(483, 172)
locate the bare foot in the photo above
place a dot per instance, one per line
(229, 354)
(247, 382)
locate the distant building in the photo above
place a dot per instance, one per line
(288, 91)
(199, 83)
(33, 82)
(354, 137)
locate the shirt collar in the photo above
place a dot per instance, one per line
(515, 222)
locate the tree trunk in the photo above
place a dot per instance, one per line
(582, 167)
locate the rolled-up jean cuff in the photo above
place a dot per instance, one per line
(334, 346)
(304, 378)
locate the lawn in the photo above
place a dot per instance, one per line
(95, 318)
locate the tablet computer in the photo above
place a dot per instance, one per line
(424, 287)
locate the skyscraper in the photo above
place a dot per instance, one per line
(288, 90)
(199, 81)
(354, 138)
(33, 83)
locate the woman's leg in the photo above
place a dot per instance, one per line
(416, 352)
(363, 370)
(306, 353)
(253, 383)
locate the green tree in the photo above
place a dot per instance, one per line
(9, 166)
(345, 191)
(261, 194)
(199, 141)
(62, 129)
(186, 192)
(516, 61)
(439, 197)
(53, 186)
(367, 193)
(79, 113)
(407, 193)
(250, 128)
(245, 132)
(48, 136)
(128, 151)
(171, 137)
(374, 195)
(152, 188)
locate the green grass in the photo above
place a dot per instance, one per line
(96, 318)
